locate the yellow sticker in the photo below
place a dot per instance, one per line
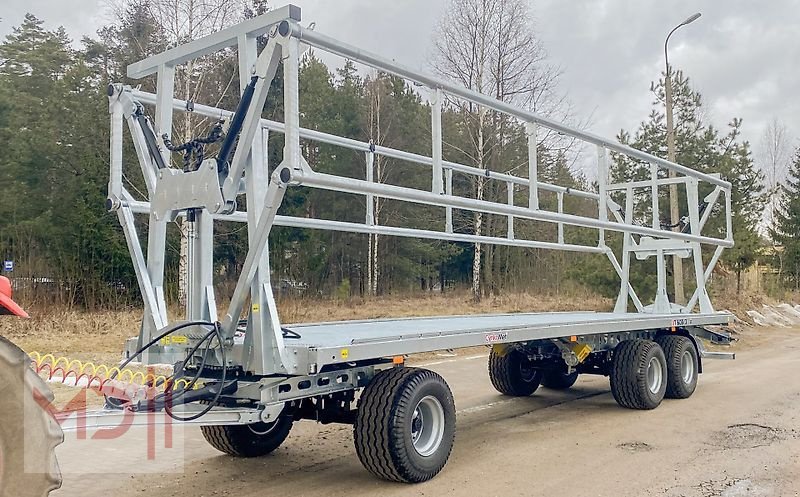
(174, 340)
(256, 308)
(344, 353)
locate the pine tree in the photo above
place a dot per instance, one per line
(787, 224)
(700, 146)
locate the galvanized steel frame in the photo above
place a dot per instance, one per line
(265, 349)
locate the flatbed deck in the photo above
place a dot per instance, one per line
(350, 341)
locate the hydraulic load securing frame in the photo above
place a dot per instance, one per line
(255, 369)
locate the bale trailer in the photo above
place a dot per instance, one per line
(247, 377)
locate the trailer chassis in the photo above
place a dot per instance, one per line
(264, 374)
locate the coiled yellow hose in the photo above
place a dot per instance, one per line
(87, 374)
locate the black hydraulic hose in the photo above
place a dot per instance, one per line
(155, 340)
(227, 148)
(150, 139)
(168, 394)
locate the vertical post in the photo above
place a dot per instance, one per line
(291, 103)
(622, 299)
(370, 161)
(661, 303)
(654, 195)
(436, 140)
(115, 174)
(693, 199)
(533, 188)
(728, 218)
(448, 191)
(200, 300)
(602, 190)
(560, 196)
(164, 99)
(510, 189)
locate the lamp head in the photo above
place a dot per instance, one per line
(691, 19)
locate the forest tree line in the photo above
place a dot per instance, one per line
(54, 169)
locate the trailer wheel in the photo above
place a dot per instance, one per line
(638, 374)
(556, 380)
(405, 425)
(682, 366)
(253, 440)
(512, 373)
(28, 434)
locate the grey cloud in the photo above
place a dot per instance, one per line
(742, 55)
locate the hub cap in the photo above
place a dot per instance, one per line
(427, 426)
(655, 375)
(687, 367)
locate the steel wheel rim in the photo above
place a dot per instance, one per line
(526, 372)
(687, 367)
(427, 426)
(655, 375)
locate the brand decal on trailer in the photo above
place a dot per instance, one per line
(496, 337)
(681, 322)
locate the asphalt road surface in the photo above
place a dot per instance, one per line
(739, 435)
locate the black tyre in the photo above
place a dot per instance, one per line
(682, 366)
(28, 433)
(638, 374)
(556, 380)
(254, 440)
(512, 373)
(405, 425)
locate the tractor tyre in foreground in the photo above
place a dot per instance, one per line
(28, 433)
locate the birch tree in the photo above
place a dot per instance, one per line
(490, 46)
(177, 22)
(775, 156)
(375, 92)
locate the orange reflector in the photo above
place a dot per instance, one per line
(573, 338)
(398, 359)
(674, 329)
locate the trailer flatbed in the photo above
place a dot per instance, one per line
(257, 375)
(350, 341)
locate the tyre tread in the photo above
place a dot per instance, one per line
(505, 377)
(627, 367)
(380, 443)
(237, 440)
(673, 346)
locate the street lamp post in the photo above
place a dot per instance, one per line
(674, 214)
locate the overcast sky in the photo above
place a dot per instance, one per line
(742, 55)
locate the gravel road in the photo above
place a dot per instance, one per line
(739, 435)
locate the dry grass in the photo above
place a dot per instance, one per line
(99, 336)
(435, 304)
